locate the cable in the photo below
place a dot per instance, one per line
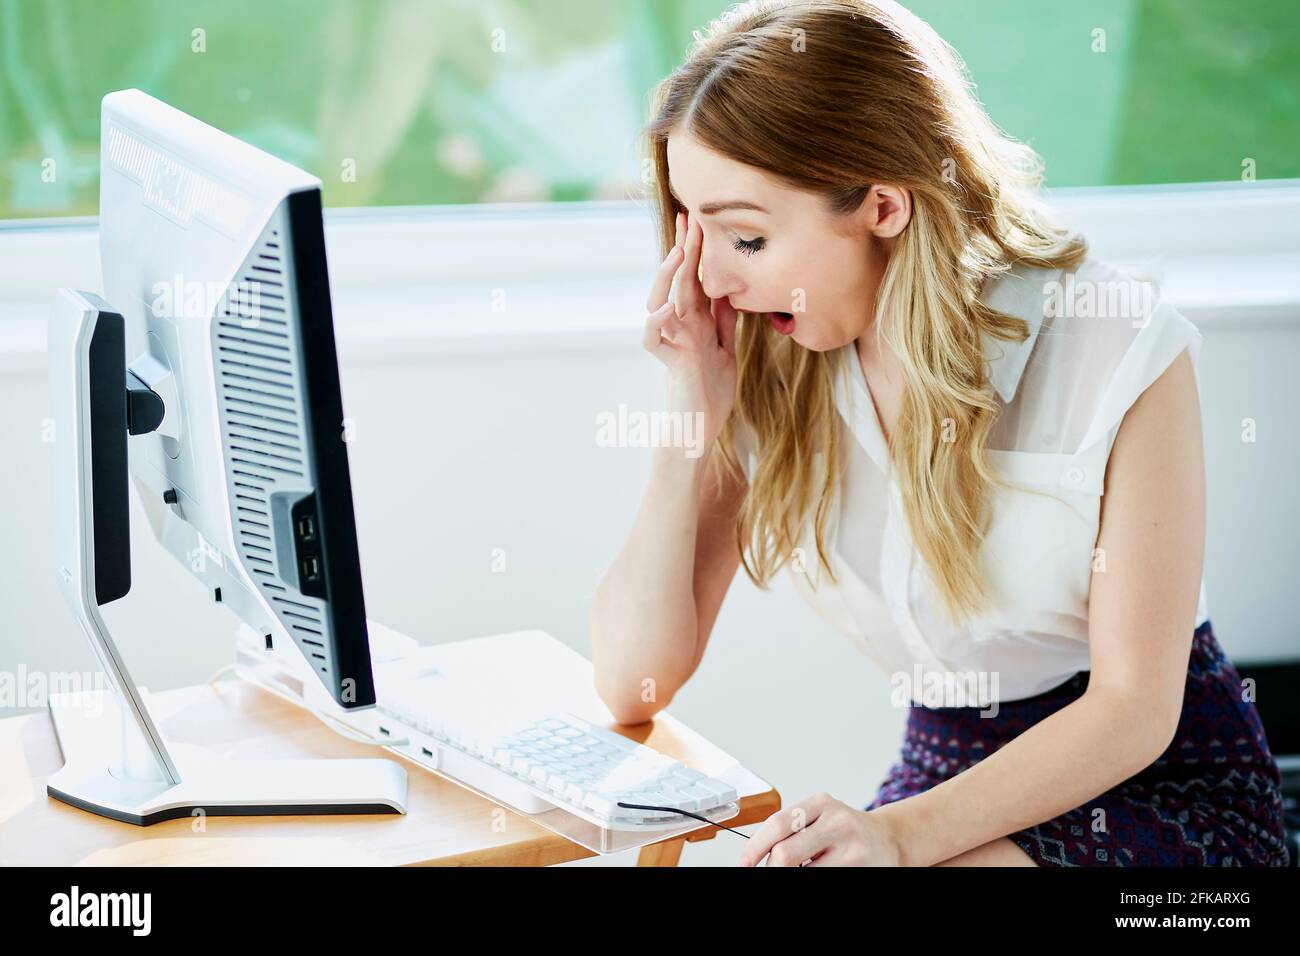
(212, 681)
(687, 813)
(360, 737)
(334, 724)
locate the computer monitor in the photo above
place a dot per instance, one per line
(213, 349)
(213, 252)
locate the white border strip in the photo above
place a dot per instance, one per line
(527, 278)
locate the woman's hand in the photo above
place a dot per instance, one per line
(826, 832)
(695, 337)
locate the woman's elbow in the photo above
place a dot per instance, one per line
(629, 705)
(1152, 726)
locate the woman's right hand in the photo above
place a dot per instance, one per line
(694, 337)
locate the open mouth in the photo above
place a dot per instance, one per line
(783, 322)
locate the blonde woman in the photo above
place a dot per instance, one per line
(975, 449)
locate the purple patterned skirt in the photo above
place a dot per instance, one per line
(1213, 798)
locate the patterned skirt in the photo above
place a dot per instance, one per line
(1213, 798)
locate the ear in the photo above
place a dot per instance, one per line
(888, 210)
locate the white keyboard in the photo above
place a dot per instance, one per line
(555, 760)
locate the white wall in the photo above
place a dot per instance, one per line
(460, 452)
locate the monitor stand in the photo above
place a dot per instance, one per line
(109, 770)
(116, 762)
(118, 765)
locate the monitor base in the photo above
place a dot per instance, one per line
(94, 778)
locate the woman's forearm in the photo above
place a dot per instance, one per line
(1079, 752)
(642, 620)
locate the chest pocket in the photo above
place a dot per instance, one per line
(1038, 552)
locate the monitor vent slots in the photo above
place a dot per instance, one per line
(262, 428)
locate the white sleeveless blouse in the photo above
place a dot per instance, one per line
(1097, 340)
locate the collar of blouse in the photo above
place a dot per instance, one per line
(1022, 292)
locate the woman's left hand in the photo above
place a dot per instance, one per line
(822, 831)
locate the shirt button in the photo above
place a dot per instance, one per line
(1074, 476)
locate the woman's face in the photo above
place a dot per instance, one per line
(788, 254)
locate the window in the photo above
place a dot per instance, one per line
(413, 102)
(1137, 92)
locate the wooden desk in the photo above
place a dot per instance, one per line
(445, 824)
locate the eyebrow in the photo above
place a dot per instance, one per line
(712, 208)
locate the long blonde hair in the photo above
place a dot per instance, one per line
(832, 96)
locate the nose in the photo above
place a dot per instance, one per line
(717, 277)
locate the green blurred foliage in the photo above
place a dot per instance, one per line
(464, 101)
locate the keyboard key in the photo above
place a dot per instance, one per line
(722, 792)
(601, 805)
(681, 800)
(586, 768)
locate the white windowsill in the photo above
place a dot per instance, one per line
(418, 281)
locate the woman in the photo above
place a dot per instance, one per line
(915, 389)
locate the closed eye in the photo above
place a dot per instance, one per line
(750, 246)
